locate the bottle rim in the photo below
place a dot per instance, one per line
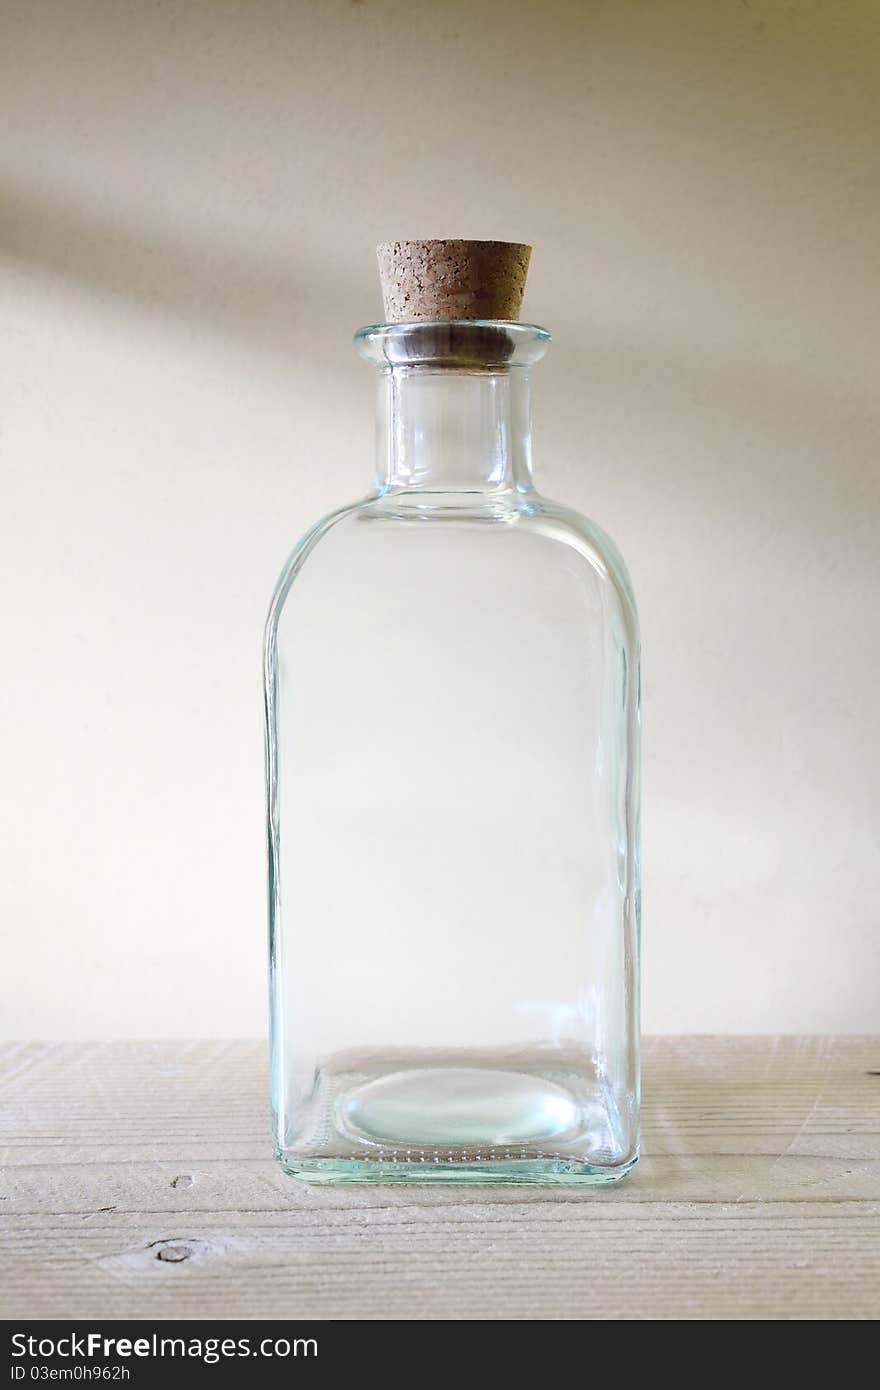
(462, 344)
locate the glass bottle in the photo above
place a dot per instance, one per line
(452, 711)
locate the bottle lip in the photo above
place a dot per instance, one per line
(463, 344)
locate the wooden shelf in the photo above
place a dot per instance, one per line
(138, 1182)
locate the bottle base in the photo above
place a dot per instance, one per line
(523, 1122)
(542, 1172)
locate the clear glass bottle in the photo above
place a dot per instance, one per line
(452, 704)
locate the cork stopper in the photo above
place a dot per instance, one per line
(445, 280)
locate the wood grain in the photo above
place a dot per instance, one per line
(137, 1182)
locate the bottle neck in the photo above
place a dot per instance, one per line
(455, 431)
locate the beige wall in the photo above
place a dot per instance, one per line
(190, 198)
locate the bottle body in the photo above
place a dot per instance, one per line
(452, 750)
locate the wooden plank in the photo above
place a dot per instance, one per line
(136, 1182)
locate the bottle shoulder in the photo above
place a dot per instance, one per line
(382, 519)
(304, 548)
(571, 528)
